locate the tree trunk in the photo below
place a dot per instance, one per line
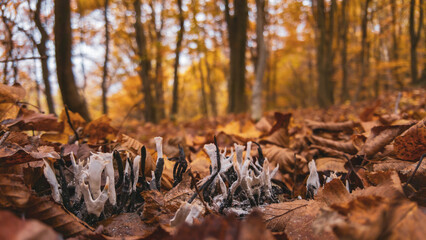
(256, 105)
(414, 38)
(175, 98)
(363, 54)
(105, 72)
(344, 94)
(204, 108)
(63, 41)
(212, 95)
(325, 55)
(395, 47)
(237, 35)
(159, 91)
(44, 60)
(144, 64)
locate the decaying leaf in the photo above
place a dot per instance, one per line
(285, 157)
(220, 227)
(380, 137)
(12, 227)
(100, 130)
(31, 120)
(11, 154)
(412, 143)
(331, 126)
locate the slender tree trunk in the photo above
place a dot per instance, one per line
(10, 50)
(325, 55)
(42, 51)
(344, 94)
(414, 38)
(159, 91)
(105, 72)
(63, 41)
(144, 64)
(237, 35)
(363, 54)
(256, 105)
(395, 47)
(175, 98)
(204, 108)
(212, 95)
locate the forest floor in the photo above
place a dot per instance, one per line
(366, 180)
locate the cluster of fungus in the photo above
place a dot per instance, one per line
(236, 184)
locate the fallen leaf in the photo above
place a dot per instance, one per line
(100, 130)
(12, 227)
(412, 143)
(331, 126)
(380, 137)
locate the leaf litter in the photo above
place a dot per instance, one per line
(352, 172)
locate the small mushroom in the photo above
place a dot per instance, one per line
(53, 182)
(312, 184)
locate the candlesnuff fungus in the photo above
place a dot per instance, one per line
(95, 206)
(312, 184)
(53, 182)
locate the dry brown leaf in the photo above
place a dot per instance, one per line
(13, 192)
(54, 215)
(294, 218)
(347, 147)
(412, 143)
(226, 227)
(331, 164)
(11, 154)
(333, 192)
(325, 151)
(279, 137)
(263, 125)
(31, 120)
(373, 217)
(12, 227)
(285, 157)
(380, 137)
(100, 130)
(331, 126)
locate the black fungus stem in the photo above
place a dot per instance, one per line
(117, 158)
(213, 176)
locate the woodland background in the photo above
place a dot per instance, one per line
(184, 59)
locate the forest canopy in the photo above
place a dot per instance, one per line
(181, 59)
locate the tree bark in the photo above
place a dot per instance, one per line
(144, 64)
(344, 94)
(212, 95)
(237, 35)
(364, 48)
(63, 41)
(44, 60)
(256, 105)
(175, 98)
(325, 55)
(204, 108)
(395, 47)
(159, 91)
(105, 72)
(414, 38)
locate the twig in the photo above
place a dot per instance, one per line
(22, 59)
(197, 191)
(415, 170)
(304, 205)
(70, 123)
(4, 137)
